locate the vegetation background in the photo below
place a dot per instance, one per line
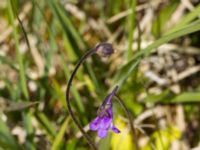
(156, 64)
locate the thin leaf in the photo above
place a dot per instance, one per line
(185, 97)
(131, 21)
(46, 124)
(19, 106)
(128, 69)
(7, 141)
(58, 141)
(186, 19)
(19, 55)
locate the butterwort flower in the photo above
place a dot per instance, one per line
(104, 120)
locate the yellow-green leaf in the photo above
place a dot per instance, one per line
(162, 139)
(121, 141)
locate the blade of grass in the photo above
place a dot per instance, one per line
(113, 8)
(66, 23)
(19, 55)
(66, 70)
(163, 16)
(59, 92)
(58, 141)
(69, 49)
(69, 29)
(186, 19)
(126, 70)
(13, 106)
(74, 90)
(131, 21)
(46, 124)
(157, 98)
(7, 141)
(9, 87)
(8, 61)
(167, 97)
(26, 115)
(124, 73)
(185, 97)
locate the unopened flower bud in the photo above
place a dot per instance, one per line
(104, 49)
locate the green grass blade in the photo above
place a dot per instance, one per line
(46, 124)
(19, 55)
(131, 21)
(167, 97)
(128, 68)
(27, 115)
(73, 89)
(151, 98)
(7, 141)
(159, 24)
(8, 61)
(59, 92)
(124, 73)
(58, 141)
(186, 19)
(18, 106)
(66, 23)
(69, 29)
(70, 51)
(185, 97)
(20, 59)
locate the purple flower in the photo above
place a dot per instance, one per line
(104, 119)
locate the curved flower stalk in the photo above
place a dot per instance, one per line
(104, 120)
(104, 50)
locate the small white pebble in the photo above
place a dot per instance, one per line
(20, 133)
(52, 71)
(32, 86)
(23, 48)
(2, 84)
(3, 117)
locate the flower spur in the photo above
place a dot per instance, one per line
(104, 120)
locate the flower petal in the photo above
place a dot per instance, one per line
(108, 99)
(105, 122)
(94, 125)
(114, 129)
(102, 133)
(110, 113)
